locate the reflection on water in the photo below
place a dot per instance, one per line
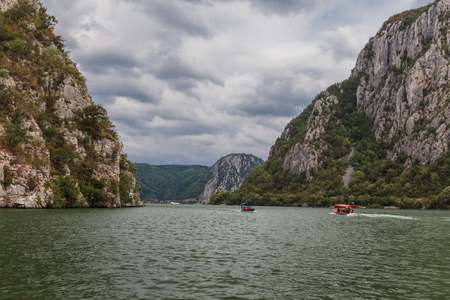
(205, 252)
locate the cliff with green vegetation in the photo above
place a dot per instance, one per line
(379, 138)
(57, 147)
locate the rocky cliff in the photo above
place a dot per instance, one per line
(57, 147)
(403, 87)
(385, 130)
(228, 173)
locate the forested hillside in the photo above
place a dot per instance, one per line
(170, 182)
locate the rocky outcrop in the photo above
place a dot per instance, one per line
(57, 147)
(7, 4)
(304, 157)
(405, 87)
(228, 173)
(402, 78)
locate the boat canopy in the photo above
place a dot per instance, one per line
(345, 206)
(247, 204)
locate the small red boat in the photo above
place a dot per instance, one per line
(344, 209)
(247, 207)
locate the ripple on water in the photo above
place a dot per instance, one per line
(204, 252)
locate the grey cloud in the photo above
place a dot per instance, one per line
(188, 129)
(132, 124)
(106, 60)
(179, 128)
(419, 3)
(283, 7)
(70, 41)
(270, 7)
(171, 15)
(275, 97)
(108, 91)
(182, 77)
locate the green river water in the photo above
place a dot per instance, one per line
(217, 252)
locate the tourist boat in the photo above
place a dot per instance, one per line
(247, 207)
(344, 209)
(174, 202)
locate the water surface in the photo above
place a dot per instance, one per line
(216, 252)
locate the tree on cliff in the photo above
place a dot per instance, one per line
(443, 200)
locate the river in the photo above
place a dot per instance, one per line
(217, 252)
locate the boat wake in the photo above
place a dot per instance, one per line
(386, 216)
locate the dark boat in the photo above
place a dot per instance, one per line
(247, 207)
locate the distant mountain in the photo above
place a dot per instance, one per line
(193, 183)
(170, 182)
(228, 173)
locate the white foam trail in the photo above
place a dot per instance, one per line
(386, 216)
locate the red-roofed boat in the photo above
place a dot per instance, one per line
(344, 209)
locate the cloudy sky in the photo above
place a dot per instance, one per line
(190, 81)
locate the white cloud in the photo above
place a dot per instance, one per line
(191, 81)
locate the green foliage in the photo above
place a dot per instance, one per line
(227, 198)
(51, 59)
(296, 130)
(15, 134)
(93, 190)
(443, 200)
(170, 182)
(65, 193)
(22, 45)
(61, 157)
(3, 74)
(407, 18)
(46, 20)
(94, 120)
(126, 186)
(126, 165)
(7, 176)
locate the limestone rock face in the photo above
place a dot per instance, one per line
(403, 86)
(304, 156)
(57, 147)
(406, 88)
(7, 4)
(228, 173)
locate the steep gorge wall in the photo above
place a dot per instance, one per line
(402, 78)
(405, 89)
(57, 147)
